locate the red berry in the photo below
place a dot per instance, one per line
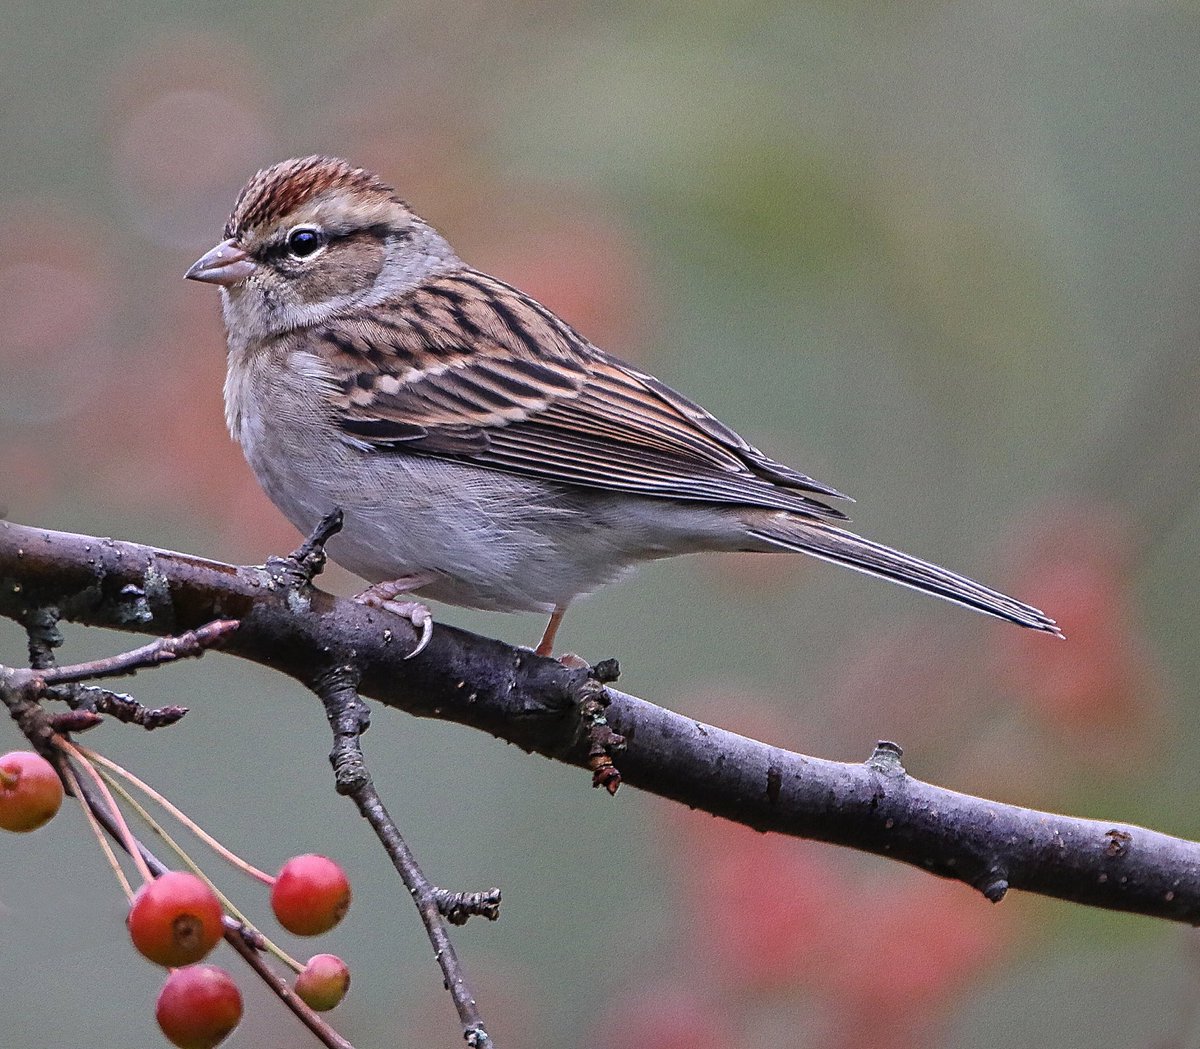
(198, 1006)
(310, 895)
(30, 791)
(175, 919)
(323, 982)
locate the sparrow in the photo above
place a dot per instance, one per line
(484, 452)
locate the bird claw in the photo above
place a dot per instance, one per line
(415, 612)
(420, 617)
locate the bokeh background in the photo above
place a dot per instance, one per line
(941, 255)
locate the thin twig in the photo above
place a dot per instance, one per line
(310, 554)
(125, 708)
(41, 626)
(190, 644)
(369, 804)
(457, 907)
(348, 717)
(299, 568)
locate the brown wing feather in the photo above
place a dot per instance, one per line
(468, 368)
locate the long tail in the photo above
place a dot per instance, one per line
(845, 548)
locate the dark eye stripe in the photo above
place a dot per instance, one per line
(279, 247)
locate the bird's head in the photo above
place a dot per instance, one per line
(312, 238)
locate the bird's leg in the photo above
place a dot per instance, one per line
(383, 595)
(546, 645)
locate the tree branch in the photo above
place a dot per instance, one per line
(532, 702)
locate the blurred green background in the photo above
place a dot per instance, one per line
(940, 255)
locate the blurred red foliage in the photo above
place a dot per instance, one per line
(900, 681)
(917, 942)
(27, 477)
(586, 268)
(1100, 690)
(663, 1015)
(756, 905)
(884, 952)
(56, 313)
(570, 252)
(779, 914)
(164, 413)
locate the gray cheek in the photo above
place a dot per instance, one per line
(264, 307)
(249, 309)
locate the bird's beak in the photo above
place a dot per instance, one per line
(226, 264)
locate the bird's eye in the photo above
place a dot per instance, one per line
(304, 241)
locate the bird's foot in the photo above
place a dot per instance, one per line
(383, 595)
(573, 661)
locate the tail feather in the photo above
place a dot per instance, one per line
(845, 548)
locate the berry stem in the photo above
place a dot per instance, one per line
(226, 854)
(227, 904)
(130, 842)
(101, 837)
(171, 843)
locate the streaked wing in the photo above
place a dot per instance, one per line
(468, 368)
